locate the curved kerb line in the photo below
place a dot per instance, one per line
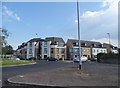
(9, 80)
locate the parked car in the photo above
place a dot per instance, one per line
(51, 59)
(14, 58)
(83, 59)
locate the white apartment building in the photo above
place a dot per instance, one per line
(45, 49)
(32, 48)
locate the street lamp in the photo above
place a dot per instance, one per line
(1, 42)
(109, 40)
(79, 51)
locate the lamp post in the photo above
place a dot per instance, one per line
(109, 40)
(79, 51)
(1, 42)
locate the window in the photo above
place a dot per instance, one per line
(51, 50)
(77, 44)
(83, 44)
(57, 56)
(30, 51)
(84, 50)
(61, 44)
(30, 44)
(75, 49)
(62, 50)
(45, 50)
(63, 56)
(70, 50)
(57, 50)
(94, 51)
(97, 50)
(45, 44)
(104, 51)
(94, 45)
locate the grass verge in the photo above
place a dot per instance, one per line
(9, 62)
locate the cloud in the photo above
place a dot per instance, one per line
(9, 13)
(95, 24)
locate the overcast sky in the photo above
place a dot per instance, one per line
(59, 19)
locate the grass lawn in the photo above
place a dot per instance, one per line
(8, 62)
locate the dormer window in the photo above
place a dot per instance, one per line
(76, 43)
(94, 45)
(100, 45)
(84, 44)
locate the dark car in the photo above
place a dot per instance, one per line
(51, 59)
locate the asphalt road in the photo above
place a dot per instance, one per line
(8, 72)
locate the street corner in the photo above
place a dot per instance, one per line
(67, 76)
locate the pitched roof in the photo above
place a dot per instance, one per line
(36, 40)
(84, 43)
(55, 39)
(113, 47)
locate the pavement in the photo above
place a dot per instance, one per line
(92, 74)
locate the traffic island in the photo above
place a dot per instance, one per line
(70, 76)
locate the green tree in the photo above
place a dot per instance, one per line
(3, 35)
(8, 49)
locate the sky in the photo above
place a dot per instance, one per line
(27, 20)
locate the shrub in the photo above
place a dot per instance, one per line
(22, 59)
(107, 58)
(99, 56)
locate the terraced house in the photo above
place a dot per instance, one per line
(89, 49)
(73, 47)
